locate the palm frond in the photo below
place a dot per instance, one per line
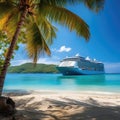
(11, 22)
(94, 5)
(59, 2)
(67, 18)
(8, 17)
(35, 42)
(2, 21)
(47, 29)
(5, 8)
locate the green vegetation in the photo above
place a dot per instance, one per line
(4, 44)
(31, 68)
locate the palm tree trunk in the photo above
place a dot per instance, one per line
(11, 49)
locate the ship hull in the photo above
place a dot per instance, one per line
(77, 71)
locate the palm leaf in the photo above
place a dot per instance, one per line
(9, 17)
(47, 29)
(67, 18)
(94, 5)
(11, 23)
(59, 2)
(35, 42)
(5, 8)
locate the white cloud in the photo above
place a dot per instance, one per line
(64, 49)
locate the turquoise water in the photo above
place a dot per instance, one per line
(58, 82)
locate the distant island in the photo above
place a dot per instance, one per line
(31, 68)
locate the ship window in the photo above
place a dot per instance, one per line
(68, 63)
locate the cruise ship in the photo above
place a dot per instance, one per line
(80, 66)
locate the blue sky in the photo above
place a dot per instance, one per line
(104, 43)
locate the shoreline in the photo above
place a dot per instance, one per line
(23, 91)
(100, 97)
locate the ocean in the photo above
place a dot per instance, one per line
(107, 83)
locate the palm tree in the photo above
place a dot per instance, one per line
(35, 17)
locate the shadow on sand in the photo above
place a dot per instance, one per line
(64, 109)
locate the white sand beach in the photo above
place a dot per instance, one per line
(51, 105)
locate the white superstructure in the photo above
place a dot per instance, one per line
(80, 65)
